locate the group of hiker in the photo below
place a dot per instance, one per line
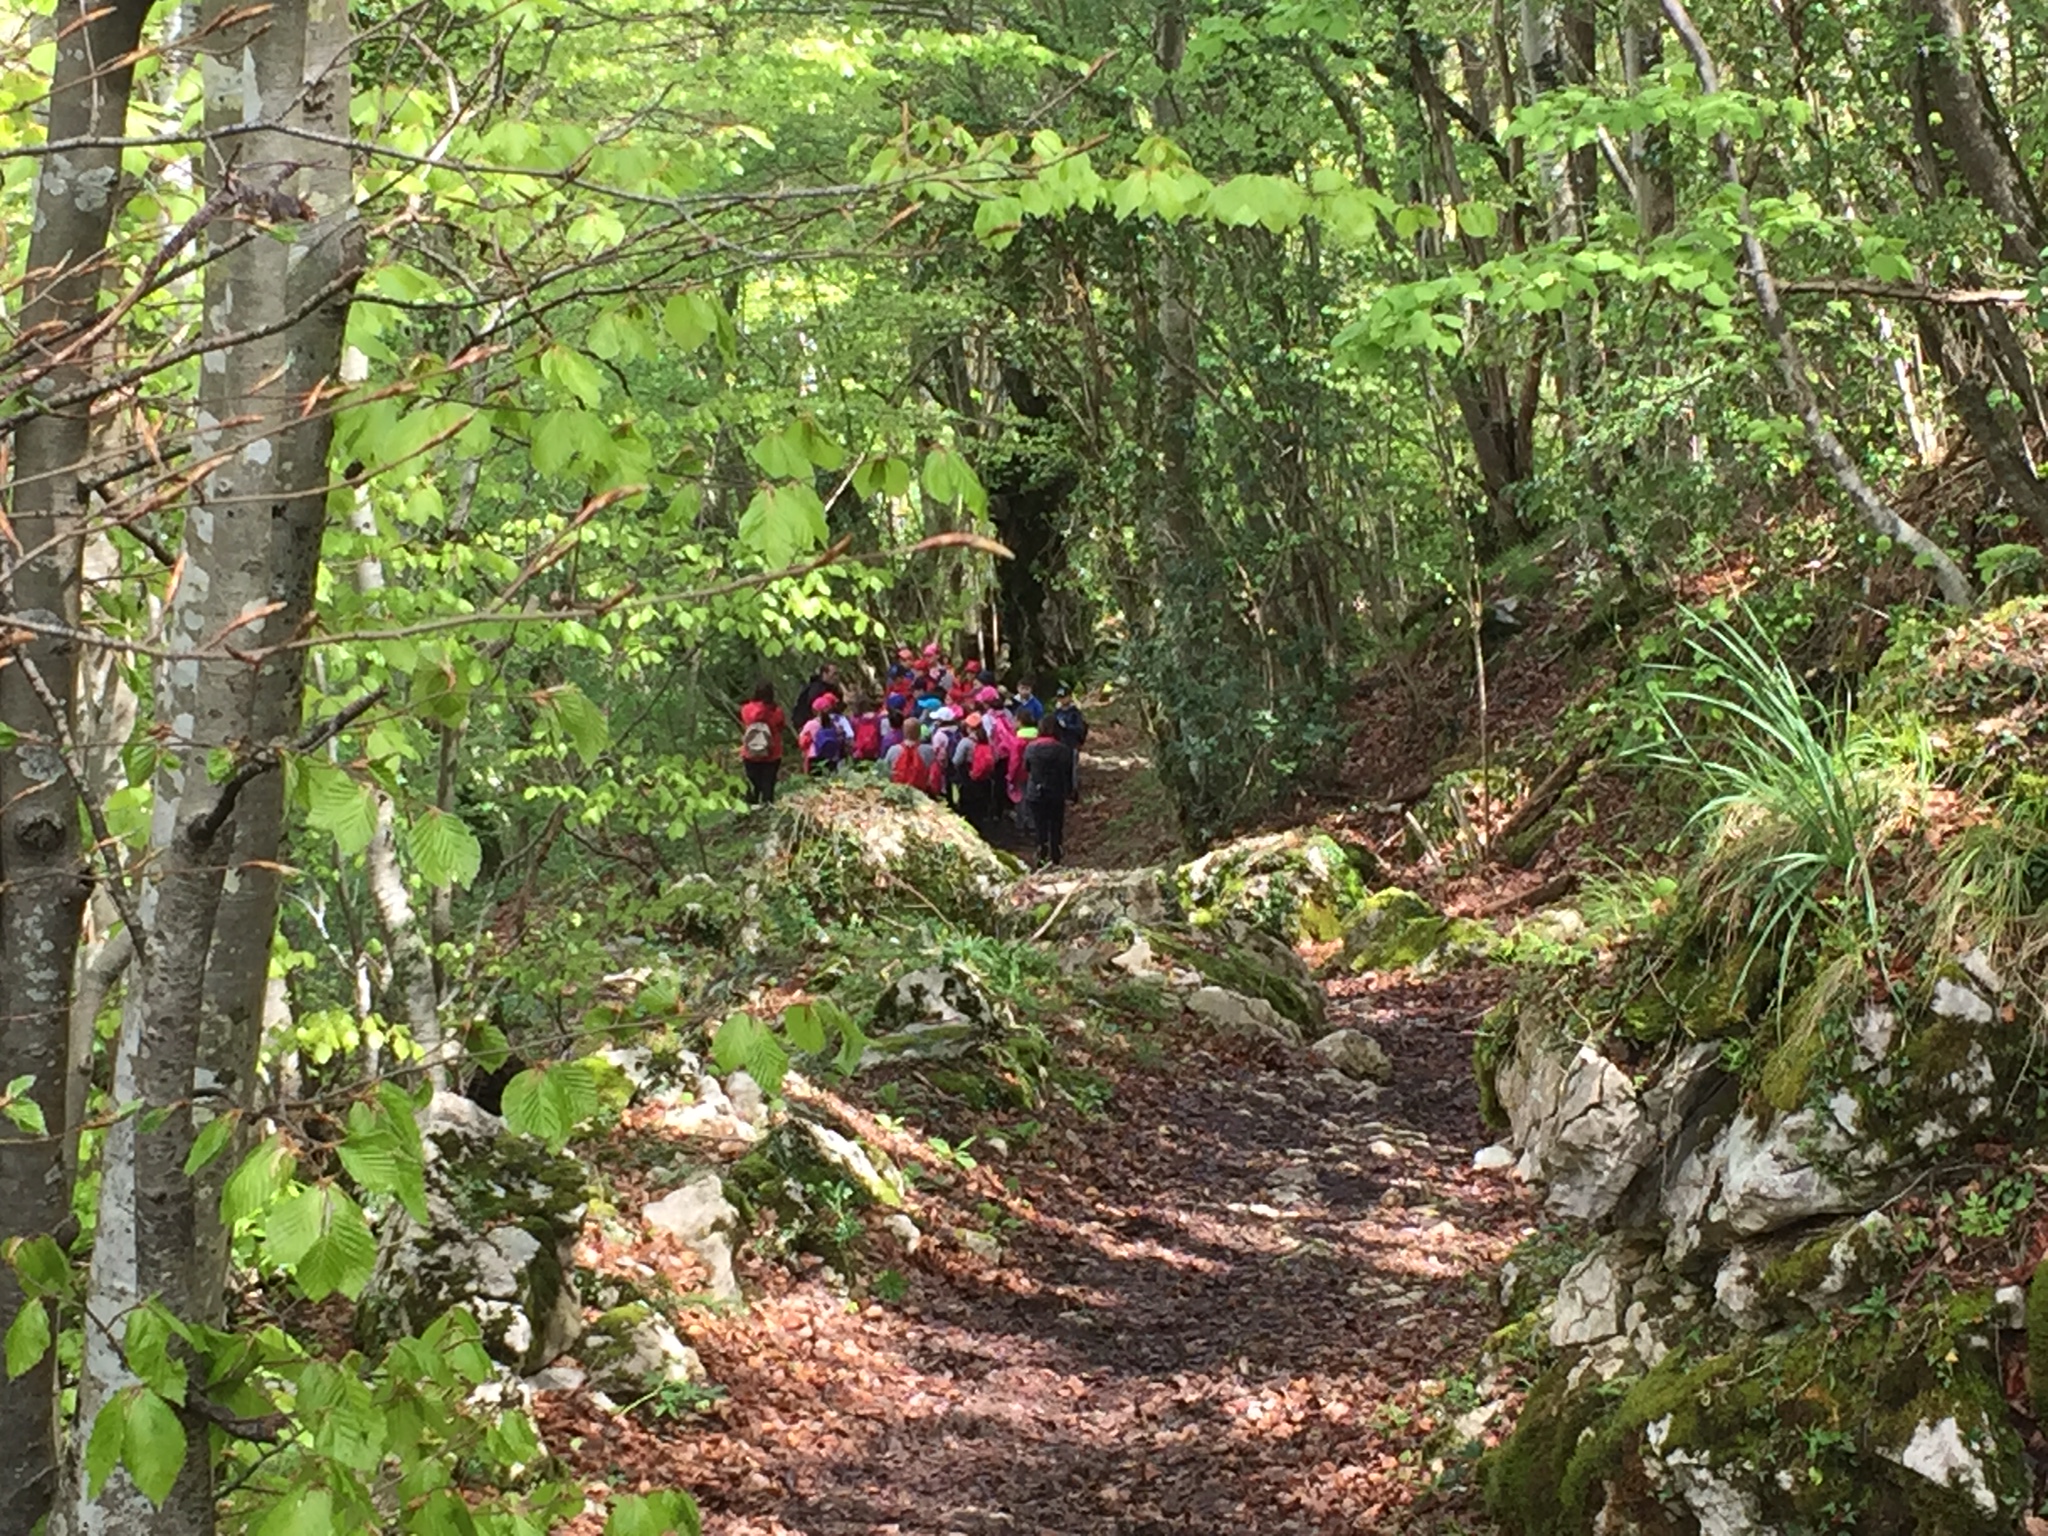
(992, 753)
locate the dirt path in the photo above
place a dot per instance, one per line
(1234, 1304)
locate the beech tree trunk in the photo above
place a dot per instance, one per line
(250, 541)
(43, 881)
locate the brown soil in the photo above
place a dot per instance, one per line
(1237, 1302)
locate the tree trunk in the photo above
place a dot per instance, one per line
(1962, 117)
(1649, 149)
(1880, 514)
(238, 963)
(412, 963)
(250, 538)
(43, 880)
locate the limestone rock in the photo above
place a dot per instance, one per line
(502, 1218)
(1494, 1159)
(1294, 885)
(1939, 1452)
(1955, 1001)
(699, 1216)
(704, 1111)
(1234, 1012)
(1768, 1177)
(849, 845)
(939, 1013)
(632, 1350)
(1580, 1124)
(1067, 904)
(1355, 1055)
(1589, 1302)
(852, 1159)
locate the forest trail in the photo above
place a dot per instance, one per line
(1232, 1299)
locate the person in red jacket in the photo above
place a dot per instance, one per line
(761, 726)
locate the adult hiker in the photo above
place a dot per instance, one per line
(981, 788)
(1071, 726)
(1049, 787)
(827, 738)
(761, 727)
(824, 680)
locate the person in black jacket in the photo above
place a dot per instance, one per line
(823, 681)
(1068, 723)
(1048, 789)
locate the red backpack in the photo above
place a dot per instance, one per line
(867, 738)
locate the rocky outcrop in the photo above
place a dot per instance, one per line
(697, 1214)
(502, 1217)
(1296, 886)
(1713, 1359)
(632, 1350)
(859, 849)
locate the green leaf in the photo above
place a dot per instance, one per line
(27, 1116)
(733, 1043)
(338, 805)
(578, 720)
(1478, 219)
(259, 1180)
(145, 1345)
(549, 1103)
(40, 1266)
(444, 850)
(783, 521)
(692, 318)
(997, 221)
(211, 1141)
(301, 1511)
(805, 1030)
(28, 1336)
(669, 1513)
(947, 477)
(103, 1448)
(152, 1445)
(573, 373)
(781, 454)
(321, 1236)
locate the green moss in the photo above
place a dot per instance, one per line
(1828, 1405)
(1296, 886)
(1392, 929)
(1243, 972)
(1491, 1045)
(1788, 1070)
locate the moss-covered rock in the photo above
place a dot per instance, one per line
(1251, 967)
(503, 1213)
(854, 848)
(632, 1350)
(1300, 887)
(1395, 929)
(1866, 1424)
(814, 1181)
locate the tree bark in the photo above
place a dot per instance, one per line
(1880, 514)
(43, 881)
(250, 537)
(1963, 119)
(237, 999)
